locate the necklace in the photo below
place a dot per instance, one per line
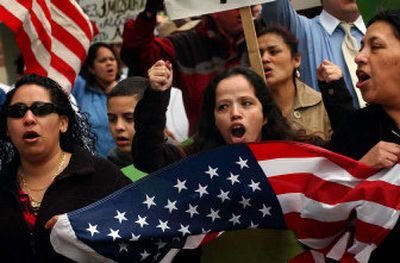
(35, 204)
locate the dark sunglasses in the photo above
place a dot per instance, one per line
(38, 108)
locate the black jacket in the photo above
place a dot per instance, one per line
(362, 130)
(85, 180)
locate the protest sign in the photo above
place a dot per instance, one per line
(110, 16)
(177, 9)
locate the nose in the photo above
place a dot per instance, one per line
(120, 126)
(265, 57)
(29, 118)
(361, 57)
(235, 112)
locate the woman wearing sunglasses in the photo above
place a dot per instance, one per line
(47, 168)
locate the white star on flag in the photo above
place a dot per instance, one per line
(180, 185)
(92, 229)
(160, 244)
(212, 172)
(253, 226)
(144, 255)
(245, 202)
(163, 225)
(184, 230)
(242, 163)
(149, 201)
(214, 214)
(223, 195)
(141, 221)
(123, 247)
(205, 231)
(120, 216)
(202, 190)
(134, 237)
(255, 186)
(114, 234)
(233, 178)
(171, 206)
(156, 256)
(265, 210)
(192, 210)
(235, 219)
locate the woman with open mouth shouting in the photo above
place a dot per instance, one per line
(237, 108)
(301, 105)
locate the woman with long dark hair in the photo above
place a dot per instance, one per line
(47, 168)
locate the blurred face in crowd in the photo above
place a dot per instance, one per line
(121, 122)
(229, 22)
(378, 64)
(278, 61)
(238, 112)
(345, 10)
(105, 66)
(34, 132)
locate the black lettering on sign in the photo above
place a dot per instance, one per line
(110, 15)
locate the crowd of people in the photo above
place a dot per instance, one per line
(56, 156)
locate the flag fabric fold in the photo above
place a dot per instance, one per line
(337, 207)
(52, 35)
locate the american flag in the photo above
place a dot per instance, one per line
(338, 207)
(53, 36)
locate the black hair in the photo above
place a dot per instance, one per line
(390, 16)
(208, 136)
(89, 62)
(284, 33)
(78, 132)
(132, 86)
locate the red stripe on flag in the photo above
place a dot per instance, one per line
(273, 150)
(369, 233)
(70, 10)
(209, 237)
(311, 186)
(69, 41)
(63, 67)
(311, 228)
(9, 19)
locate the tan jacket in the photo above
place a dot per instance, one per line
(309, 112)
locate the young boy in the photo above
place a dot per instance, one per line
(121, 103)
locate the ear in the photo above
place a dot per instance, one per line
(63, 123)
(297, 60)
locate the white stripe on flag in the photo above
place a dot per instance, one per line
(65, 242)
(331, 172)
(369, 212)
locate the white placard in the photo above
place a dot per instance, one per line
(304, 4)
(177, 9)
(110, 16)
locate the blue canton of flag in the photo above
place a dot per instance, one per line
(223, 190)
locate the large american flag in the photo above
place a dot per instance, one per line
(52, 35)
(338, 207)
